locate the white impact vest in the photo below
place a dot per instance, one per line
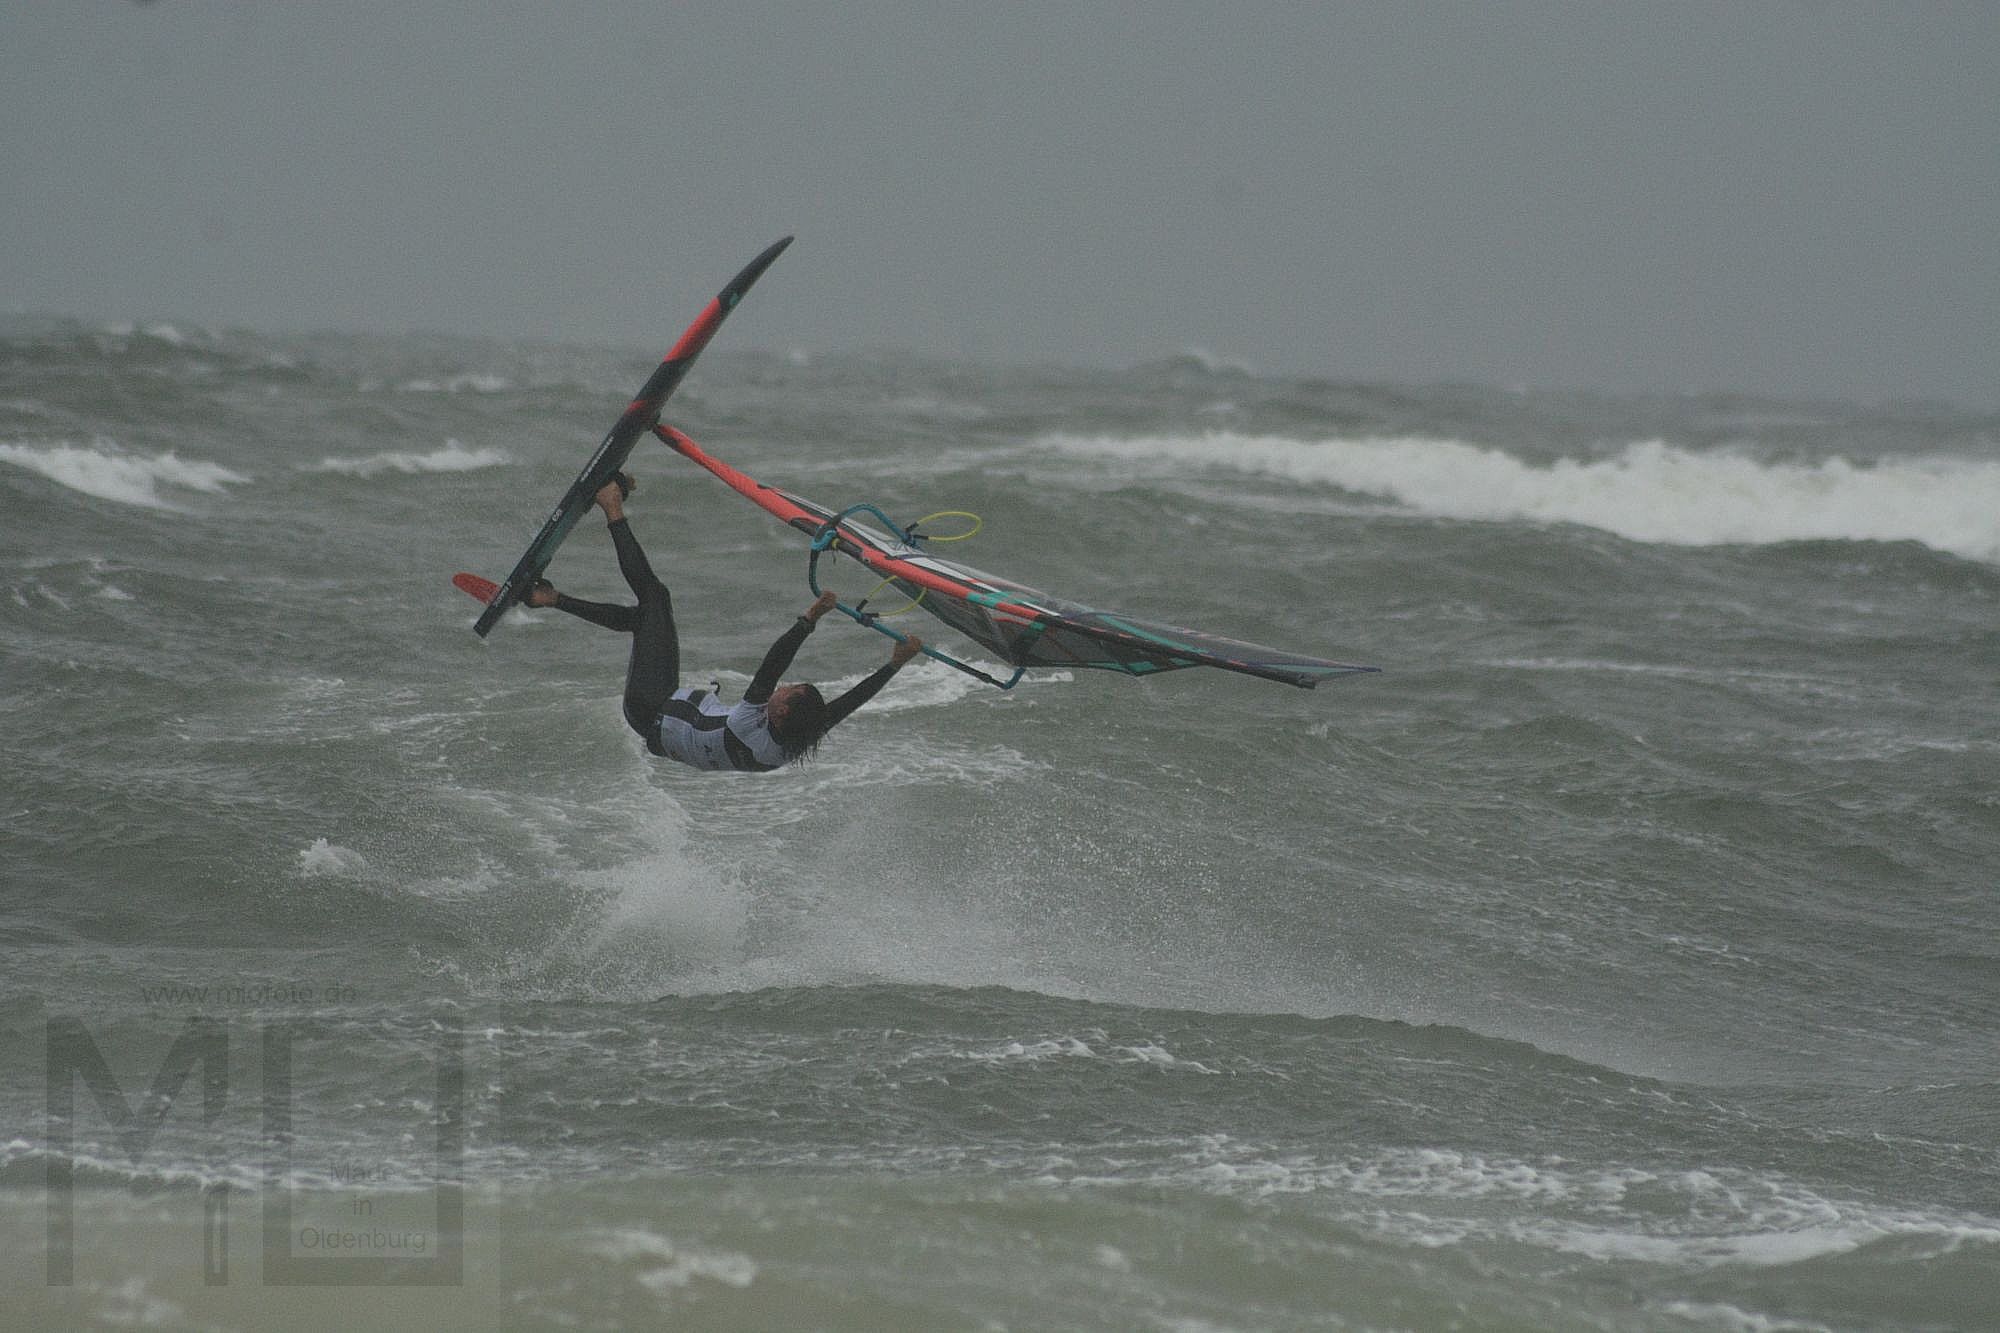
(697, 729)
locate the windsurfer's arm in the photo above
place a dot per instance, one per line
(840, 709)
(779, 659)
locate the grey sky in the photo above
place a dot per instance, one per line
(1786, 198)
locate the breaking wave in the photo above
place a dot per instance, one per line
(106, 472)
(454, 457)
(1648, 491)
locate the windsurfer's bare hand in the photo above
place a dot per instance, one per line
(905, 649)
(827, 601)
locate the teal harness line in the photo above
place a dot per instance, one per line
(827, 539)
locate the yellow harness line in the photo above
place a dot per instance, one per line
(912, 533)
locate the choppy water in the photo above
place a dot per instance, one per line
(1624, 956)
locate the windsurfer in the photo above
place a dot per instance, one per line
(773, 725)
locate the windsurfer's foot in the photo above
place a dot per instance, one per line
(542, 594)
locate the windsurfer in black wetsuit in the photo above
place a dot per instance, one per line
(772, 726)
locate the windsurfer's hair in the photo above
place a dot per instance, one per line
(804, 725)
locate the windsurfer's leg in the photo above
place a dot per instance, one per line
(611, 616)
(655, 670)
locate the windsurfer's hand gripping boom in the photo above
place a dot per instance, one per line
(900, 654)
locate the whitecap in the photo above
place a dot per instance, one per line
(109, 474)
(324, 858)
(468, 382)
(1032, 1051)
(1649, 491)
(454, 457)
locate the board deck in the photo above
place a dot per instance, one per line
(639, 417)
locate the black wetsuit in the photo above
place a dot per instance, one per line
(691, 725)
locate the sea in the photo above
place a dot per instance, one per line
(1625, 955)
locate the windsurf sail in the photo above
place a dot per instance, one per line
(1024, 627)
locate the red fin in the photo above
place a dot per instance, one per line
(473, 585)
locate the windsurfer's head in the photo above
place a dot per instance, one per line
(797, 717)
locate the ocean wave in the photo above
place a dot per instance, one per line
(104, 471)
(1649, 491)
(454, 457)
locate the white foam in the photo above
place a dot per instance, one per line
(1153, 1053)
(1077, 1048)
(849, 925)
(454, 457)
(1765, 1236)
(1649, 491)
(664, 914)
(655, 915)
(1695, 1219)
(1717, 1315)
(670, 1265)
(109, 474)
(870, 758)
(1031, 1052)
(469, 382)
(1437, 1173)
(325, 858)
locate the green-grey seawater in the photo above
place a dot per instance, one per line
(1625, 956)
